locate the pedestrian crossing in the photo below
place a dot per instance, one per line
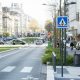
(12, 68)
(8, 69)
(26, 69)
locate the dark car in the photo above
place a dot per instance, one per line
(1, 42)
(16, 41)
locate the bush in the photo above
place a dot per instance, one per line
(47, 57)
(69, 60)
(29, 40)
(48, 51)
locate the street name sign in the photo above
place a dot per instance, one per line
(62, 22)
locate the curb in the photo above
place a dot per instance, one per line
(50, 73)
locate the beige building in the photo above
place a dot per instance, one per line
(73, 11)
(19, 20)
(13, 20)
(6, 19)
(0, 19)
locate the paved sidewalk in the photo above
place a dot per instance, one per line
(50, 73)
(70, 73)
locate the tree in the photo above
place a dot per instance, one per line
(48, 26)
(33, 25)
(6, 34)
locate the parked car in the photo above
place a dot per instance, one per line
(78, 45)
(16, 41)
(1, 42)
(39, 42)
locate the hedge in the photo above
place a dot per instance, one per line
(47, 56)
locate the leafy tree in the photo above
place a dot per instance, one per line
(48, 25)
(6, 34)
(33, 25)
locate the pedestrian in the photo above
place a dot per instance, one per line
(57, 44)
(71, 45)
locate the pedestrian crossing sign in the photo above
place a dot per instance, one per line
(62, 22)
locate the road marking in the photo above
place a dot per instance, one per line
(8, 54)
(26, 69)
(30, 78)
(8, 69)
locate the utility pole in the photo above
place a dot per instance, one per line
(55, 28)
(61, 42)
(65, 34)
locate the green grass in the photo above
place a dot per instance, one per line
(6, 48)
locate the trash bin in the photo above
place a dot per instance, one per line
(77, 59)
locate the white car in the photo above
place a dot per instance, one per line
(39, 42)
(78, 45)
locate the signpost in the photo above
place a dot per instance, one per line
(61, 23)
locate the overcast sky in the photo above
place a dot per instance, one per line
(33, 8)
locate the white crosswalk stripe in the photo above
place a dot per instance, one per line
(8, 69)
(11, 68)
(26, 69)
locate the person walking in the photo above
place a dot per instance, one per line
(71, 45)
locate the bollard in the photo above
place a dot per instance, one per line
(54, 61)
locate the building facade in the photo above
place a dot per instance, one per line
(13, 20)
(73, 11)
(1, 31)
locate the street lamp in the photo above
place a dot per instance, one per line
(54, 22)
(70, 3)
(65, 5)
(49, 5)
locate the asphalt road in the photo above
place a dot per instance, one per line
(22, 64)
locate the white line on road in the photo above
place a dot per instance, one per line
(30, 78)
(8, 69)
(26, 69)
(8, 54)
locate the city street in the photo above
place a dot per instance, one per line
(22, 64)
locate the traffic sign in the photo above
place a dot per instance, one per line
(62, 22)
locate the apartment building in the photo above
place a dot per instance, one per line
(20, 20)
(1, 20)
(73, 12)
(6, 19)
(13, 20)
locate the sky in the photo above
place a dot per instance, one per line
(33, 8)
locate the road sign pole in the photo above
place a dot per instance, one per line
(60, 45)
(62, 23)
(62, 53)
(65, 34)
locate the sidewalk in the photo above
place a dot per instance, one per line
(50, 73)
(69, 73)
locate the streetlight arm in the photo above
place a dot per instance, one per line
(49, 5)
(70, 3)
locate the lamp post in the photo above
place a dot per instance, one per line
(65, 5)
(54, 22)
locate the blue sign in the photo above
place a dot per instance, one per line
(62, 22)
